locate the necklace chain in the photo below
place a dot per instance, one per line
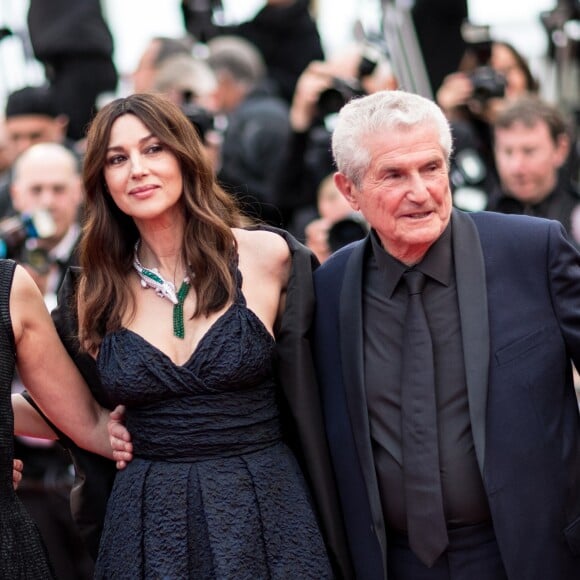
(151, 278)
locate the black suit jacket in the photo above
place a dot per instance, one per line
(518, 285)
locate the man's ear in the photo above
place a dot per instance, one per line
(562, 149)
(346, 187)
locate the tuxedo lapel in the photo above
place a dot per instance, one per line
(352, 357)
(472, 297)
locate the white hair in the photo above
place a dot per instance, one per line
(378, 113)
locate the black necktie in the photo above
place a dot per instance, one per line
(424, 501)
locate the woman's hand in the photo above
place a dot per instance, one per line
(120, 438)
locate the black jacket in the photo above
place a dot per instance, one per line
(559, 205)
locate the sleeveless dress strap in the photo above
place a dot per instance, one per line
(7, 268)
(239, 297)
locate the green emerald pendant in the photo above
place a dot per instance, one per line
(178, 326)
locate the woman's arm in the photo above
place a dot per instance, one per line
(50, 376)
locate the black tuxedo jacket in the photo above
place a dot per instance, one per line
(518, 284)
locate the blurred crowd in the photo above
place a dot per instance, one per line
(262, 95)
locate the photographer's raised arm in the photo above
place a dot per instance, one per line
(50, 376)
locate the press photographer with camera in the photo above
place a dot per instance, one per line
(491, 74)
(284, 32)
(322, 89)
(336, 225)
(490, 71)
(46, 179)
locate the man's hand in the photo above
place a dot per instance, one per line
(120, 438)
(17, 467)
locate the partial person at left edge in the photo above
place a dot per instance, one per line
(28, 341)
(46, 189)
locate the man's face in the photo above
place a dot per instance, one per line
(528, 159)
(405, 194)
(27, 130)
(50, 184)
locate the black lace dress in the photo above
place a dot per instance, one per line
(213, 492)
(22, 553)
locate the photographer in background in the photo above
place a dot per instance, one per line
(491, 74)
(531, 145)
(31, 116)
(336, 225)
(255, 122)
(46, 178)
(157, 51)
(322, 89)
(283, 31)
(190, 83)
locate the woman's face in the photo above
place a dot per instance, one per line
(504, 62)
(143, 176)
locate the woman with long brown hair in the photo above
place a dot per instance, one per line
(180, 304)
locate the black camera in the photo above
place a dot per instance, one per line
(487, 83)
(347, 230)
(200, 118)
(342, 90)
(335, 97)
(19, 233)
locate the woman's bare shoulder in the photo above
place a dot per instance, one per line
(264, 251)
(27, 308)
(262, 244)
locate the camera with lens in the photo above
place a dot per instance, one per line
(487, 83)
(335, 97)
(349, 229)
(200, 118)
(331, 100)
(200, 17)
(19, 237)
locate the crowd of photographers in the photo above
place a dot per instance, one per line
(263, 98)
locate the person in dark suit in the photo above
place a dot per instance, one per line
(500, 497)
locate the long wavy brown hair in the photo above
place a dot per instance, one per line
(106, 248)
